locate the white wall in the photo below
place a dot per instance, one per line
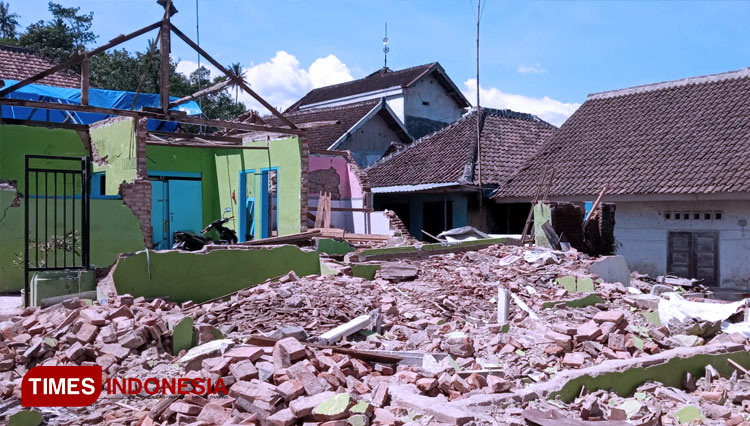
(441, 106)
(396, 103)
(642, 230)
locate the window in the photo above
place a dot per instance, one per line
(705, 215)
(425, 103)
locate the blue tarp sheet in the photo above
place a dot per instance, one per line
(97, 97)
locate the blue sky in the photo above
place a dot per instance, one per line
(541, 57)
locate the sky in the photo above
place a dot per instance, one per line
(539, 57)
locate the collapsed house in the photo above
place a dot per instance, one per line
(670, 157)
(88, 174)
(435, 184)
(355, 134)
(290, 325)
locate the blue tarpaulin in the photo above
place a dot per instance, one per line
(97, 97)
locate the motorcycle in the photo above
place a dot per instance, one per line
(193, 242)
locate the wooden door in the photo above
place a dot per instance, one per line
(694, 255)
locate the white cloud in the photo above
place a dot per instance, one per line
(546, 108)
(531, 69)
(281, 81)
(187, 67)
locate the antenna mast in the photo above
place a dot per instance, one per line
(479, 116)
(386, 49)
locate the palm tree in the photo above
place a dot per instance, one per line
(8, 21)
(236, 70)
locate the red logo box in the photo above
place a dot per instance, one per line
(66, 386)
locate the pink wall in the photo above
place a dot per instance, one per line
(349, 186)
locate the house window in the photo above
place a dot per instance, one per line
(669, 215)
(425, 103)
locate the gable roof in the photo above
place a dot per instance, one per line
(347, 118)
(17, 63)
(689, 136)
(448, 156)
(382, 79)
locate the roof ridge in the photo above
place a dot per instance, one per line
(420, 140)
(368, 76)
(708, 78)
(335, 107)
(18, 49)
(509, 113)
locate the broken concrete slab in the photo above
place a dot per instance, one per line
(612, 269)
(408, 397)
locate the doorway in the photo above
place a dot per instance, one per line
(694, 255)
(259, 204)
(176, 205)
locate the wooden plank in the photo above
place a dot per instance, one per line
(351, 209)
(215, 88)
(319, 211)
(178, 118)
(85, 80)
(77, 58)
(200, 145)
(164, 65)
(302, 236)
(218, 138)
(592, 212)
(238, 80)
(327, 215)
(47, 124)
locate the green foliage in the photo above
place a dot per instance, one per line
(56, 39)
(68, 31)
(8, 23)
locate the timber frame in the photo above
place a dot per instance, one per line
(163, 113)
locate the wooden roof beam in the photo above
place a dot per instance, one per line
(175, 117)
(208, 90)
(78, 57)
(236, 79)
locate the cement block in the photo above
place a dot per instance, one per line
(612, 269)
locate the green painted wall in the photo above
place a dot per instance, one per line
(114, 228)
(284, 154)
(114, 141)
(175, 159)
(198, 277)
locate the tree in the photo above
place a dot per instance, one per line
(122, 70)
(235, 69)
(8, 22)
(61, 36)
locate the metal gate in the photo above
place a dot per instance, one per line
(56, 215)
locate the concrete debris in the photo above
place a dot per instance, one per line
(423, 343)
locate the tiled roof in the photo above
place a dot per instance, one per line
(384, 78)
(689, 136)
(448, 155)
(320, 138)
(18, 64)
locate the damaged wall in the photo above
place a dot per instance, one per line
(283, 154)
(643, 231)
(198, 277)
(114, 228)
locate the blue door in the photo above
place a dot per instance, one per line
(159, 212)
(185, 206)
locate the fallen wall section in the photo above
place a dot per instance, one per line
(200, 276)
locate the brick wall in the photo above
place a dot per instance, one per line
(304, 198)
(137, 196)
(140, 154)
